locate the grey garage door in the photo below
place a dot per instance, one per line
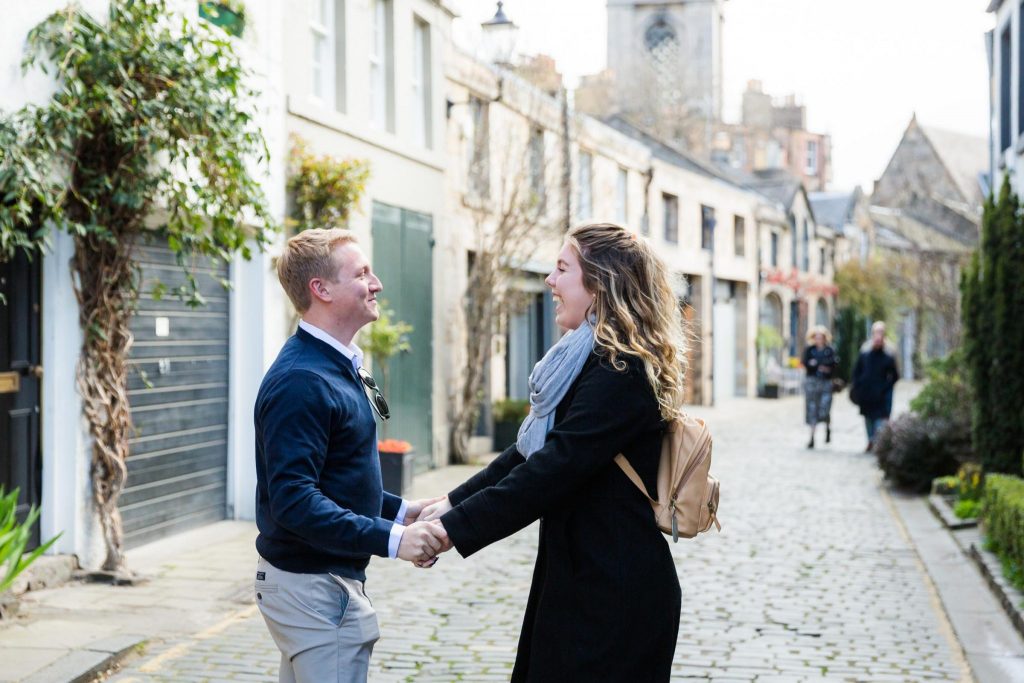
(178, 388)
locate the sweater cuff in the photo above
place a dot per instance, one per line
(460, 531)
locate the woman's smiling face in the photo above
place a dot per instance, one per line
(572, 300)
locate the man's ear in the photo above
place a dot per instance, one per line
(318, 290)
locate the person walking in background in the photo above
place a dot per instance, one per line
(605, 599)
(820, 360)
(874, 377)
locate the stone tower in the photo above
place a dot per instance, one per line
(667, 55)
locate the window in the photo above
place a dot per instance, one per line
(621, 197)
(671, 204)
(479, 184)
(1004, 89)
(537, 165)
(793, 241)
(707, 227)
(323, 59)
(822, 260)
(380, 67)
(805, 264)
(1020, 74)
(812, 157)
(422, 124)
(775, 250)
(586, 199)
(739, 236)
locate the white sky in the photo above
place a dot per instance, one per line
(862, 67)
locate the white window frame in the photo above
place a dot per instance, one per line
(421, 90)
(586, 188)
(812, 157)
(622, 196)
(322, 29)
(380, 114)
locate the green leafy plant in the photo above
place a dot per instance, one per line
(384, 339)
(228, 14)
(970, 482)
(148, 114)
(945, 486)
(967, 509)
(323, 189)
(511, 410)
(1003, 519)
(14, 537)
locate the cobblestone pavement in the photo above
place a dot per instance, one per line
(811, 578)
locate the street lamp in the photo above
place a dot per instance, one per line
(500, 34)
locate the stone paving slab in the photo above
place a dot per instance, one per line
(811, 579)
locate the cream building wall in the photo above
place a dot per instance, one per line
(407, 169)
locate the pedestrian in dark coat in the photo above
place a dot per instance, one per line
(874, 376)
(605, 600)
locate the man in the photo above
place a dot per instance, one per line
(874, 376)
(320, 508)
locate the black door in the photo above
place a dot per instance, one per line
(20, 371)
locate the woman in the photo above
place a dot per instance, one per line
(819, 360)
(605, 599)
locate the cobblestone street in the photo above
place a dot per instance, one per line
(811, 578)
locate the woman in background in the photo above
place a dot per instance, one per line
(820, 361)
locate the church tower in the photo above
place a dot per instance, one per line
(667, 54)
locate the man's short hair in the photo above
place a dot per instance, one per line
(306, 256)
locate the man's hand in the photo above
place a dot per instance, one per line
(434, 510)
(427, 564)
(422, 541)
(414, 508)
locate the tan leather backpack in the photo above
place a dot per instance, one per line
(687, 501)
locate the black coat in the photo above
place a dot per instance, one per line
(874, 377)
(605, 599)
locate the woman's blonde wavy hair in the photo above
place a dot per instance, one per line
(636, 308)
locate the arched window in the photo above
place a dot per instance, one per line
(664, 52)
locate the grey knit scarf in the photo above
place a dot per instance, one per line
(550, 379)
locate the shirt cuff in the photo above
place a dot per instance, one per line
(396, 538)
(400, 517)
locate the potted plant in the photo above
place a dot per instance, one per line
(228, 14)
(383, 340)
(509, 414)
(768, 342)
(396, 465)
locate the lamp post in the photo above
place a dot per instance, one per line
(500, 35)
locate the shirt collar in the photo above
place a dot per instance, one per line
(352, 352)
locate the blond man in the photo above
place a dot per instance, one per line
(320, 507)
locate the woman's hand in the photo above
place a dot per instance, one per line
(434, 510)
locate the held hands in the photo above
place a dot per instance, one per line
(436, 508)
(422, 542)
(415, 508)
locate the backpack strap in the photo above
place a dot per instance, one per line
(623, 463)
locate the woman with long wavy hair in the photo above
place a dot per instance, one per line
(605, 599)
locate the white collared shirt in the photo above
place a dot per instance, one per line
(355, 355)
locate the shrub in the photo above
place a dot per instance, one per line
(511, 410)
(1004, 523)
(966, 509)
(945, 486)
(970, 482)
(912, 451)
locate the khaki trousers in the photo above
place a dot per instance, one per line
(323, 624)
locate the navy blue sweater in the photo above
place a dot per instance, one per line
(319, 503)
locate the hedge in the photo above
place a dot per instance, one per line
(1004, 522)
